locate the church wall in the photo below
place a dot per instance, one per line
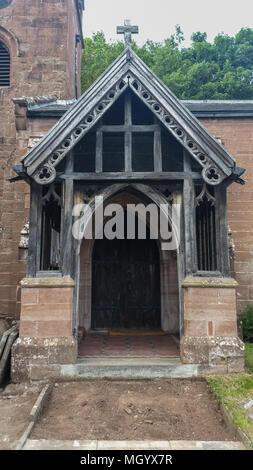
(41, 40)
(237, 136)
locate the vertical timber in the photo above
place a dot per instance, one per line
(33, 261)
(157, 149)
(128, 133)
(189, 219)
(222, 241)
(66, 225)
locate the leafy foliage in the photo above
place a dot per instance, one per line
(219, 70)
(249, 356)
(247, 323)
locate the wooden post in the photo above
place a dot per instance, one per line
(128, 133)
(222, 241)
(99, 151)
(66, 224)
(157, 149)
(189, 219)
(33, 261)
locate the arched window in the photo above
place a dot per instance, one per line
(4, 65)
(206, 228)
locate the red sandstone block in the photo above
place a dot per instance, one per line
(244, 266)
(242, 225)
(225, 328)
(46, 312)
(8, 292)
(207, 313)
(30, 296)
(243, 247)
(200, 295)
(56, 295)
(239, 206)
(244, 255)
(54, 329)
(243, 293)
(28, 329)
(237, 216)
(219, 305)
(195, 328)
(8, 279)
(244, 279)
(226, 295)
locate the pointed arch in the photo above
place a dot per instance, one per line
(168, 260)
(9, 49)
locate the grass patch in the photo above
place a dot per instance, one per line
(249, 357)
(233, 391)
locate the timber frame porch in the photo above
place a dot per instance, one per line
(166, 136)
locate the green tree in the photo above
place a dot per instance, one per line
(97, 56)
(219, 70)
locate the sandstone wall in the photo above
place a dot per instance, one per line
(41, 39)
(237, 136)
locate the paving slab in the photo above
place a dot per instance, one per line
(52, 444)
(206, 445)
(132, 445)
(43, 444)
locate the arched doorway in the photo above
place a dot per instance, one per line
(168, 265)
(126, 284)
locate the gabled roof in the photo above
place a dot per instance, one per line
(128, 70)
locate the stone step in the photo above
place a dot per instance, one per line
(143, 368)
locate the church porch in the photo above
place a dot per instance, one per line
(127, 138)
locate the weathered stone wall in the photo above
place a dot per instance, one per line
(237, 136)
(41, 40)
(46, 328)
(46, 308)
(210, 324)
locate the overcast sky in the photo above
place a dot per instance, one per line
(157, 18)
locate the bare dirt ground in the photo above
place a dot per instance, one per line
(16, 402)
(122, 410)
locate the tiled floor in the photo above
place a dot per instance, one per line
(104, 344)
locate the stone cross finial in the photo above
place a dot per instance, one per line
(128, 30)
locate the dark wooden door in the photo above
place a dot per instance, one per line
(126, 284)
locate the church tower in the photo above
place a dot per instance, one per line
(40, 61)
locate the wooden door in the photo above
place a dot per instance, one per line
(126, 284)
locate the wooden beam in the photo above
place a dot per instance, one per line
(131, 127)
(131, 176)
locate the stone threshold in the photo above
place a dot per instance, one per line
(134, 368)
(44, 444)
(129, 360)
(122, 368)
